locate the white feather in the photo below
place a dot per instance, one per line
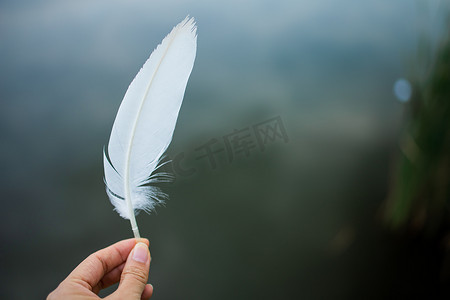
(145, 122)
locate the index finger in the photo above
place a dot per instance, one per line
(90, 271)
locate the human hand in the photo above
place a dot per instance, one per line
(126, 261)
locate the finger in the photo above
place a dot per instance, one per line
(148, 292)
(109, 279)
(135, 273)
(92, 269)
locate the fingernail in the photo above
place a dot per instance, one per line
(140, 252)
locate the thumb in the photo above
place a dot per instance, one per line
(135, 273)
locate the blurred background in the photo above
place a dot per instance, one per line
(327, 126)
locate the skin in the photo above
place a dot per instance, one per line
(126, 261)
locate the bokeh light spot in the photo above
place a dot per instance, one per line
(402, 90)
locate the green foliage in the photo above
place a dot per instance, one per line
(420, 194)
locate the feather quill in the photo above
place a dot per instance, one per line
(145, 122)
